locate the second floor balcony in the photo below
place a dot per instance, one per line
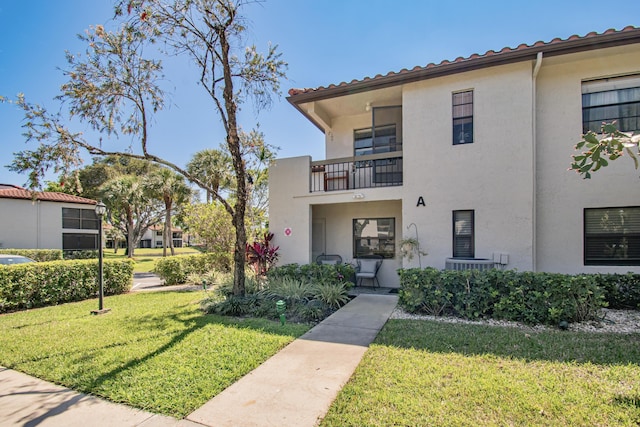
(350, 173)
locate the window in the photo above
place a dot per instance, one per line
(374, 236)
(79, 241)
(80, 219)
(463, 117)
(463, 240)
(611, 99)
(384, 141)
(612, 236)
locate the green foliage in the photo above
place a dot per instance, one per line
(211, 223)
(315, 273)
(83, 254)
(609, 144)
(33, 285)
(175, 270)
(330, 294)
(290, 290)
(525, 297)
(622, 291)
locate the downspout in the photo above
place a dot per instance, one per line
(534, 163)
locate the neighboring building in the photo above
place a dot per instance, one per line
(152, 238)
(474, 152)
(46, 220)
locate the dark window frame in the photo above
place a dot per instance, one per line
(623, 107)
(594, 242)
(389, 242)
(85, 219)
(456, 238)
(462, 121)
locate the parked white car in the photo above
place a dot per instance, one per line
(14, 259)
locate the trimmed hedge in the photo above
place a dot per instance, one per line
(40, 255)
(527, 297)
(32, 285)
(622, 290)
(314, 273)
(174, 270)
(83, 254)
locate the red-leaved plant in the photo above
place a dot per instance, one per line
(261, 255)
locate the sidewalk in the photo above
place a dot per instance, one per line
(295, 387)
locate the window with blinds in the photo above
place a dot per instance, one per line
(463, 239)
(612, 236)
(608, 100)
(462, 117)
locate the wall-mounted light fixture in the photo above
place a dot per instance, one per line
(358, 196)
(367, 106)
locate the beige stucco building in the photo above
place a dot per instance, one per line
(46, 220)
(470, 156)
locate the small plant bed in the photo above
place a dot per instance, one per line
(421, 372)
(153, 351)
(310, 293)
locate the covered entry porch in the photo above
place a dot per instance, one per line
(357, 229)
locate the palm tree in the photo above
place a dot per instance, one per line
(212, 167)
(172, 189)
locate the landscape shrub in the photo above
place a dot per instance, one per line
(176, 269)
(311, 293)
(40, 255)
(525, 297)
(83, 254)
(32, 285)
(622, 291)
(315, 273)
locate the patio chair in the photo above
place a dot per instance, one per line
(367, 268)
(329, 259)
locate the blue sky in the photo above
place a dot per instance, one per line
(324, 42)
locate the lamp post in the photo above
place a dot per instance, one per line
(100, 211)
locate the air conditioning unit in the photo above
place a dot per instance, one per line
(469, 264)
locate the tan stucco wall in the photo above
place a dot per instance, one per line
(30, 224)
(563, 195)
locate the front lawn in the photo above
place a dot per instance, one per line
(421, 373)
(145, 258)
(154, 351)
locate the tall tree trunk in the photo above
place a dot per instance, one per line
(168, 203)
(130, 232)
(233, 142)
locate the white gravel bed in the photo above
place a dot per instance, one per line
(613, 321)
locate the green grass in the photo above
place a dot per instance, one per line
(428, 373)
(154, 351)
(145, 258)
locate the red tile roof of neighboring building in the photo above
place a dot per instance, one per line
(523, 52)
(45, 196)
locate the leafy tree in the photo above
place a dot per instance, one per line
(172, 189)
(114, 89)
(610, 144)
(211, 224)
(132, 207)
(210, 32)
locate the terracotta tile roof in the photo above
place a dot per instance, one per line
(522, 52)
(45, 196)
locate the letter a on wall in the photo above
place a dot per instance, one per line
(420, 202)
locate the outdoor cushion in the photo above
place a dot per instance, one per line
(367, 268)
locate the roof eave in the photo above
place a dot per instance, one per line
(564, 47)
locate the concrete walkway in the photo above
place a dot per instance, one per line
(295, 387)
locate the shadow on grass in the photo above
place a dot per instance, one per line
(557, 346)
